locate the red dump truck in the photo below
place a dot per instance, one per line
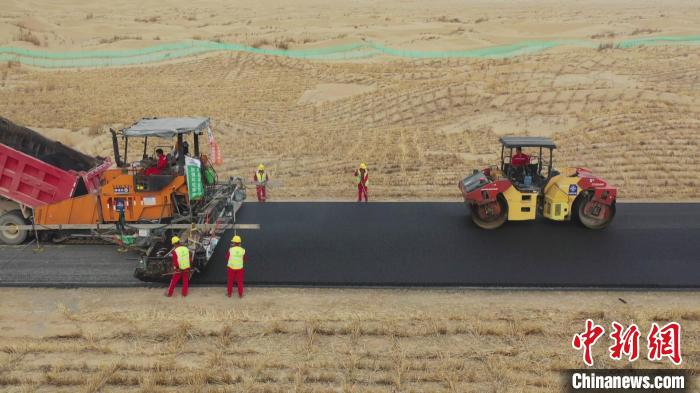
(36, 171)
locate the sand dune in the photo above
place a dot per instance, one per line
(443, 24)
(629, 114)
(420, 125)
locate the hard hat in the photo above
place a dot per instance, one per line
(261, 167)
(236, 239)
(175, 240)
(363, 165)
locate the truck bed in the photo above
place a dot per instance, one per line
(36, 171)
(36, 145)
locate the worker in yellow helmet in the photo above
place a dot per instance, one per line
(362, 176)
(260, 178)
(181, 265)
(236, 258)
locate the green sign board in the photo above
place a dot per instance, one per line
(195, 187)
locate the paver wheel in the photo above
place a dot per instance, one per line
(12, 235)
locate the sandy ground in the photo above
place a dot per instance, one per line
(442, 24)
(421, 125)
(313, 340)
(632, 115)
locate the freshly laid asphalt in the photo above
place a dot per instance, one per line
(66, 265)
(411, 244)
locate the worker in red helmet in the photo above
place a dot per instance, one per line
(260, 178)
(362, 176)
(234, 268)
(182, 259)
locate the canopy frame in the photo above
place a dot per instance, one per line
(167, 127)
(527, 141)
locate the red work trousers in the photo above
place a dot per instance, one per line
(361, 191)
(234, 274)
(261, 193)
(185, 275)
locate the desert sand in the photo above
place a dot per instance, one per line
(631, 115)
(438, 25)
(316, 340)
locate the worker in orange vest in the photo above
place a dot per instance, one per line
(236, 258)
(181, 265)
(362, 176)
(260, 178)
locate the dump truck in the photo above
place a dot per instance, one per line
(59, 194)
(525, 186)
(34, 172)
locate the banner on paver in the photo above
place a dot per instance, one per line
(216, 157)
(195, 188)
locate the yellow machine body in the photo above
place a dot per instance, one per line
(522, 206)
(559, 195)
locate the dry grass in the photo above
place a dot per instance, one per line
(95, 130)
(630, 115)
(280, 340)
(116, 38)
(260, 43)
(27, 36)
(607, 45)
(644, 30)
(151, 19)
(445, 19)
(283, 43)
(606, 34)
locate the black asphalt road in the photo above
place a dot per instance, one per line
(418, 244)
(74, 265)
(649, 245)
